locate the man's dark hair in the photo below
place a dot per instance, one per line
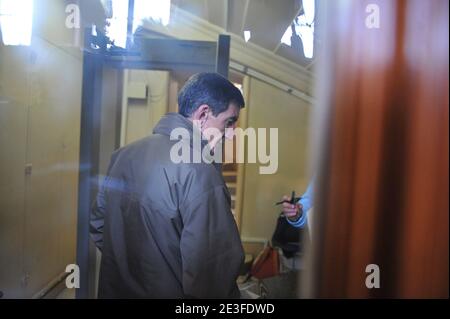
(211, 89)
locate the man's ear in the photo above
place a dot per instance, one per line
(201, 114)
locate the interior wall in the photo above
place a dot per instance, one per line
(143, 114)
(268, 107)
(13, 137)
(40, 101)
(173, 95)
(111, 100)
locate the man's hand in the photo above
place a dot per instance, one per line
(291, 211)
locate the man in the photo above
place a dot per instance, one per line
(166, 229)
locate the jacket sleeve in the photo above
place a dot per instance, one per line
(211, 248)
(97, 218)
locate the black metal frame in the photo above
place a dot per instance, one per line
(94, 60)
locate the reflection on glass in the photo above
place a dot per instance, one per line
(303, 26)
(156, 10)
(117, 24)
(16, 20)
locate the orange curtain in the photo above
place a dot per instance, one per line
(382, 190)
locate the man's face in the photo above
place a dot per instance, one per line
(224, 122)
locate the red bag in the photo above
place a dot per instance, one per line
(266, 264)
